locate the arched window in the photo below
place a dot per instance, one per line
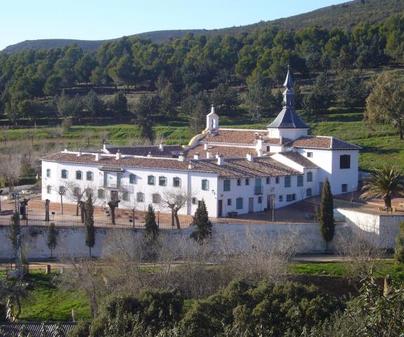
(132, 179)
(89, 175)
(64, 174)
(176, 182)
(78, 175)
(140, 197)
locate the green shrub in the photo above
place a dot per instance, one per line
(399, 249)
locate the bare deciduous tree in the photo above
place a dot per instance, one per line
(175, 200)
(10, 169)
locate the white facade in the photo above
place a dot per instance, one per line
(250, 170)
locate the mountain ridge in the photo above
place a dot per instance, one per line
(345, 15)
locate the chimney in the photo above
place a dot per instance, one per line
(181, 157)
(249, 157)
(205, 146)
(161, 147)
(208, 155)
(149, 155)
(220, 159)
(118, 155)
(196, 156)
(281, 140)
(97, 157)
(259, 153)
(104, 147)
(190, 167)
(79, 153)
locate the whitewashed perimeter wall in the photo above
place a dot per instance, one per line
(381, 230)
(305, 238)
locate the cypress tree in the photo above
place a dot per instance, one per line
(15, 229)
(152, 229)
(89, 223)
(203, 225)
(399, 249)
(326, 213)
(52, 238)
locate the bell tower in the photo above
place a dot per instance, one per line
(212, 121)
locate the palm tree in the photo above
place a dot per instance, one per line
(384, 183)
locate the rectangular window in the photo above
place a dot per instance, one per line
(289, 197)
(162, 181)
(345, 161)
(226, 185)
(101, 194)
(228, 202)
(276, 180)
(281, 198)
(247, 181)
(268, 180)
(238, 182)
(299, 181)
(260, 200)
(267, 148)
(78, 175)
(125, 196)
(194, 201)
(344, 188)
(48, 173)
(140, 197)
(288, 180)
(156, 198)
(309, 177)
(89, 175)
(309, 192)
(205, 185)
(48, 189)
(64, 174)
(132, 179)
(309, 154)
(239, 203)
(150, 180)
(176, 182)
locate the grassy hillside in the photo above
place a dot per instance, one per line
(345, 15)
(380, 143)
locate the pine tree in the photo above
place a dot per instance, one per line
(89, 223)
(203, 225)
(326, 213)
(52, 238)
(152, 229)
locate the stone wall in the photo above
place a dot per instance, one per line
(305, 238)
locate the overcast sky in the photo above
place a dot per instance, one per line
(104, 19)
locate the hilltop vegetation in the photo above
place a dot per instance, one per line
(343, 16)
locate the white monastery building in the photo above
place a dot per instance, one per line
(235, 171)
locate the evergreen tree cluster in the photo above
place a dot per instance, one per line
(190, 65)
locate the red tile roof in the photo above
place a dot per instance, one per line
(322, 142)
(236, 136)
